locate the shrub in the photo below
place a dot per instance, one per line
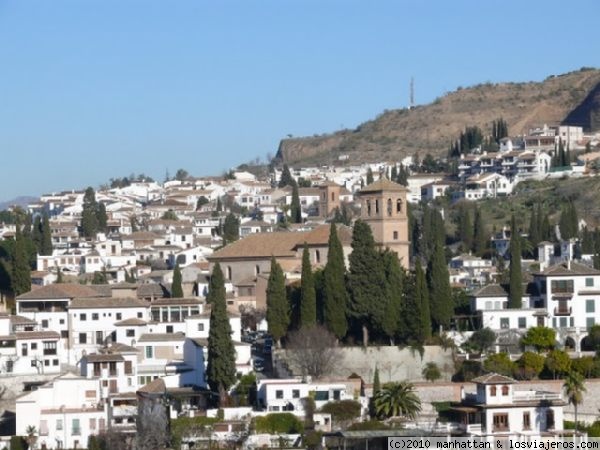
(275, 423)
(342, 410)
(529, 365)
(499, 363)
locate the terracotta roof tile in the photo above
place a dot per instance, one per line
(107, 302)
(61, 290)
(383, 184)
(493, 378)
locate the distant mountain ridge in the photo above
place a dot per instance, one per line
(572, 98)
(22, 201)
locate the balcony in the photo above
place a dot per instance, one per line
(562, 311)
(528, 396)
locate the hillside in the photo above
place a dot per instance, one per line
(572, 98)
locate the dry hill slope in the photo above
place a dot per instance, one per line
(430, 128)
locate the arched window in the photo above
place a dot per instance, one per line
(318, 256)
(229, 273)
(505, 389)
(389, 207)
(493, 391)
(333, 196)
(376, 206)
(398, 206)
(368, 207)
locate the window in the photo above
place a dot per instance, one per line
(549, 419)
(139, 315)
(526, 421)
(229, 274)
(169, 328)
(590, 322)
(505, 389)
(295, 393)
(45, 323)
(83, 338)
(33, 363)
(256, 269)
(589, 282)
(59, 424)
(61, 321)
(83, 317)
(493, 391)
(563, 322)
(590, 306)
(398, 206)
(9, 366)
(119, 315)
(522, 322)
(279, 393)
(34, 346)
(95, 316)
(149, 352)
(389, 207)
(128, 368)
(500, 422)
(337, 394)
(395, 235)
(200, 327)
(99, 338)
(322, 395)
(24, 349)
(504, 323)
(376, 206)
(130, 332)
(92, 424)
(75, 427)
(50, 348)
(368, 207)
(562, 286)
(318, 256)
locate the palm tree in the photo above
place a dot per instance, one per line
(397, 399)
(431, 372)
(31, 436)
(574, 387)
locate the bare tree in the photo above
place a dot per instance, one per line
(251, 316)
(313, 351)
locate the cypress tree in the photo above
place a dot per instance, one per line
(423, 311)
(286, 177)
(335, 294)
(89, 219)
(231, 228)
(278, 308)
(295, 208)
(36, 233)
(393, 308)
(402, 176)
(465, 228)
(101, 217)
(534, 228)
(438, 281)
(366, 279)
(220, 370)
(370, 178)
(46, 246)
(21, 271)
(515, 297)
(176, 287)
(376, 382)
(308, 296)
(479, 234)
(394, 173)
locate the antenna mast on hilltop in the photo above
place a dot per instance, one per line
(412, 93)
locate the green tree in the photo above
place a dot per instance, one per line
(480, 237)
(515, 296)
(558, 363)
(366, 279)
(220, 371)
(181, 175)
(102, 217)
(278, 308)
(481, 340)
(21, 270)
(438, 281)
(569, 222)
(202, 200)
(422, 307)
(334, 292)
(169, 215)
(176, 287)
(370, 178)
(89, 214)
(308, 296)
(46, 244)
(376, 381)
(464, 227)
(231, 228)
(574, 387)
(541, 338)
(295, 208)
(393, 300)
(499, 363)
(286, 177)
(431, 372)
(36, 233)
(397, 399)
(529, 365)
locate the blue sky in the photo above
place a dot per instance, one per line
(96, 89)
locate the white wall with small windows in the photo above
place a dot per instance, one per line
(509, 319)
